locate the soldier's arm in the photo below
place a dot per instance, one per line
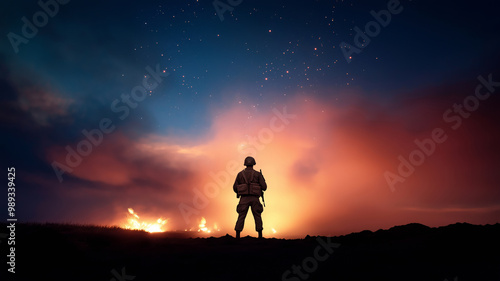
(235, 184)
(262, 182)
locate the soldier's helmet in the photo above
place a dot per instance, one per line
(249, 161)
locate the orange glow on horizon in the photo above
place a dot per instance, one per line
(324, 170)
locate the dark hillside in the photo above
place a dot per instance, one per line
(409, 252)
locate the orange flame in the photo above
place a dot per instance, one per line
(134, 224)
(202, 227)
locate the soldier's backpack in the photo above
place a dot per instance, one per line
(249, 188)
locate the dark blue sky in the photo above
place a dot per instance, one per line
(263, 54)
(97, 51)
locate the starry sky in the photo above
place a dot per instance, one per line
(181, 90)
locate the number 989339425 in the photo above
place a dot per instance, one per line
(11, 192)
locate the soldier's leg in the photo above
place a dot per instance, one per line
(242, 210)
(257, 210)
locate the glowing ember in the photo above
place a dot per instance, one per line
(134, 223)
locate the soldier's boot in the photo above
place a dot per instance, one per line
(237, 234)
(260, 234)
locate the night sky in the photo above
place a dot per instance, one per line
(173, 93)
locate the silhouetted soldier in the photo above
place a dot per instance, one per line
(249, 185)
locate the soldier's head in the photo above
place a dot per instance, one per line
(249, 161)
